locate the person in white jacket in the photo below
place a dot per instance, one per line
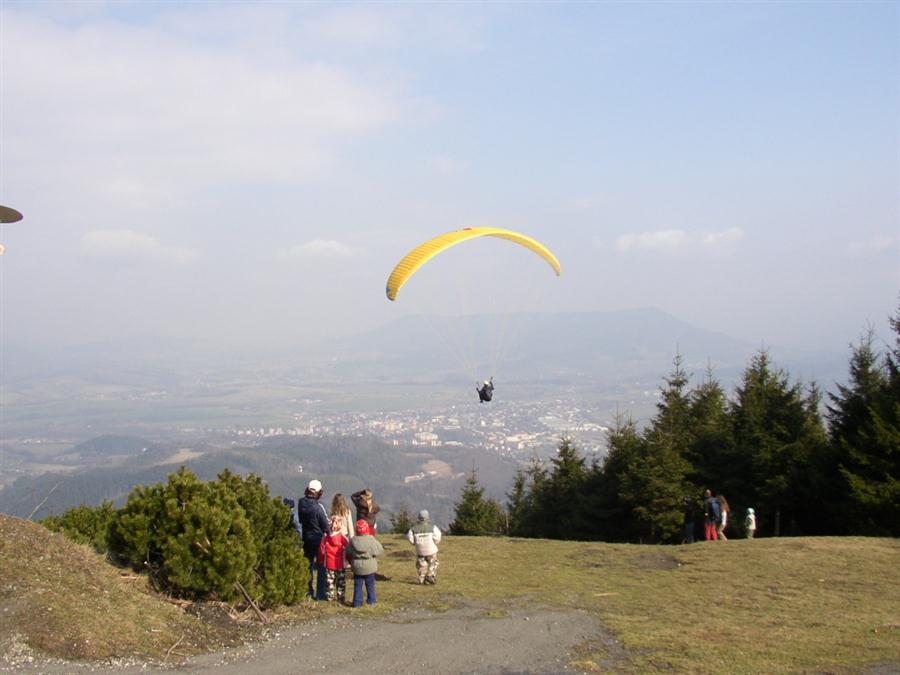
(425, 535)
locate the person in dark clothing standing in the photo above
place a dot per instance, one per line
(314, 526)
(710, 517)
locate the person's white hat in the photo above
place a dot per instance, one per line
(314, 485)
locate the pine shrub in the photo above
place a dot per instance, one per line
(199, 539)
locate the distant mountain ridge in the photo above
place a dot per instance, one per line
(637, 341)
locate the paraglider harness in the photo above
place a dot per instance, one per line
(485, 391)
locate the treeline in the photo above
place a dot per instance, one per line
(770, 446)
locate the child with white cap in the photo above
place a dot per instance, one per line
(750, 524)
(425, 535)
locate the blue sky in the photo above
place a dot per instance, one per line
(250, 173)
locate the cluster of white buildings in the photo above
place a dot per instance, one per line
(513, 429)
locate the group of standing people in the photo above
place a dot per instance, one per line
(716, 518)
(334, 543)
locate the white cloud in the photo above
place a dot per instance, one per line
(659, 240)
(126, 245)
(318, 248)
(723, 238)
(165, 113)
(672, 240)
(874, 245)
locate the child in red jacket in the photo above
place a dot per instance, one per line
(333, 557)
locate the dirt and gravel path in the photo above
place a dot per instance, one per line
(467, 640)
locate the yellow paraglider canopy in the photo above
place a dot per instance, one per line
(425, 252)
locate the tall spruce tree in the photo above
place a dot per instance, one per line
(474, 515)
(656, 483)
(864, 429)
(711, 452)
(610, 502)
(558, 498)
(518, 505)
(527, 520)
(777, 433)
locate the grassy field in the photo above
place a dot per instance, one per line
(769, 605)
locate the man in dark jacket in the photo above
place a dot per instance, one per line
(314, 526)
(710, 516)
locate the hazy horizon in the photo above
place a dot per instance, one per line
(247, 174)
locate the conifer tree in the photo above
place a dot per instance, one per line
(402, 520)
(864, 427)
(207, 543)
(277, 575)
(558, 497)
(198, 539)
(711, 451)
(777, 433)
(84, 524)
(609, 501)
(475, 515)
(655, 483)
(523, 510)
(518, 504)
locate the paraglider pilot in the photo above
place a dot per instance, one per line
(485, 390)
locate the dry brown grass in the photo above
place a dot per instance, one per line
(62, 599)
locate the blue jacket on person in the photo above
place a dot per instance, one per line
(313, 521)
(712, 510)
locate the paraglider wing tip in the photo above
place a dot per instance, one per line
(8, 215)
(390, 296)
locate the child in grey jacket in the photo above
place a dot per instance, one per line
(426, 536)
(363, 551)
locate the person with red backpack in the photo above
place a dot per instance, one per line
(711, 514)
